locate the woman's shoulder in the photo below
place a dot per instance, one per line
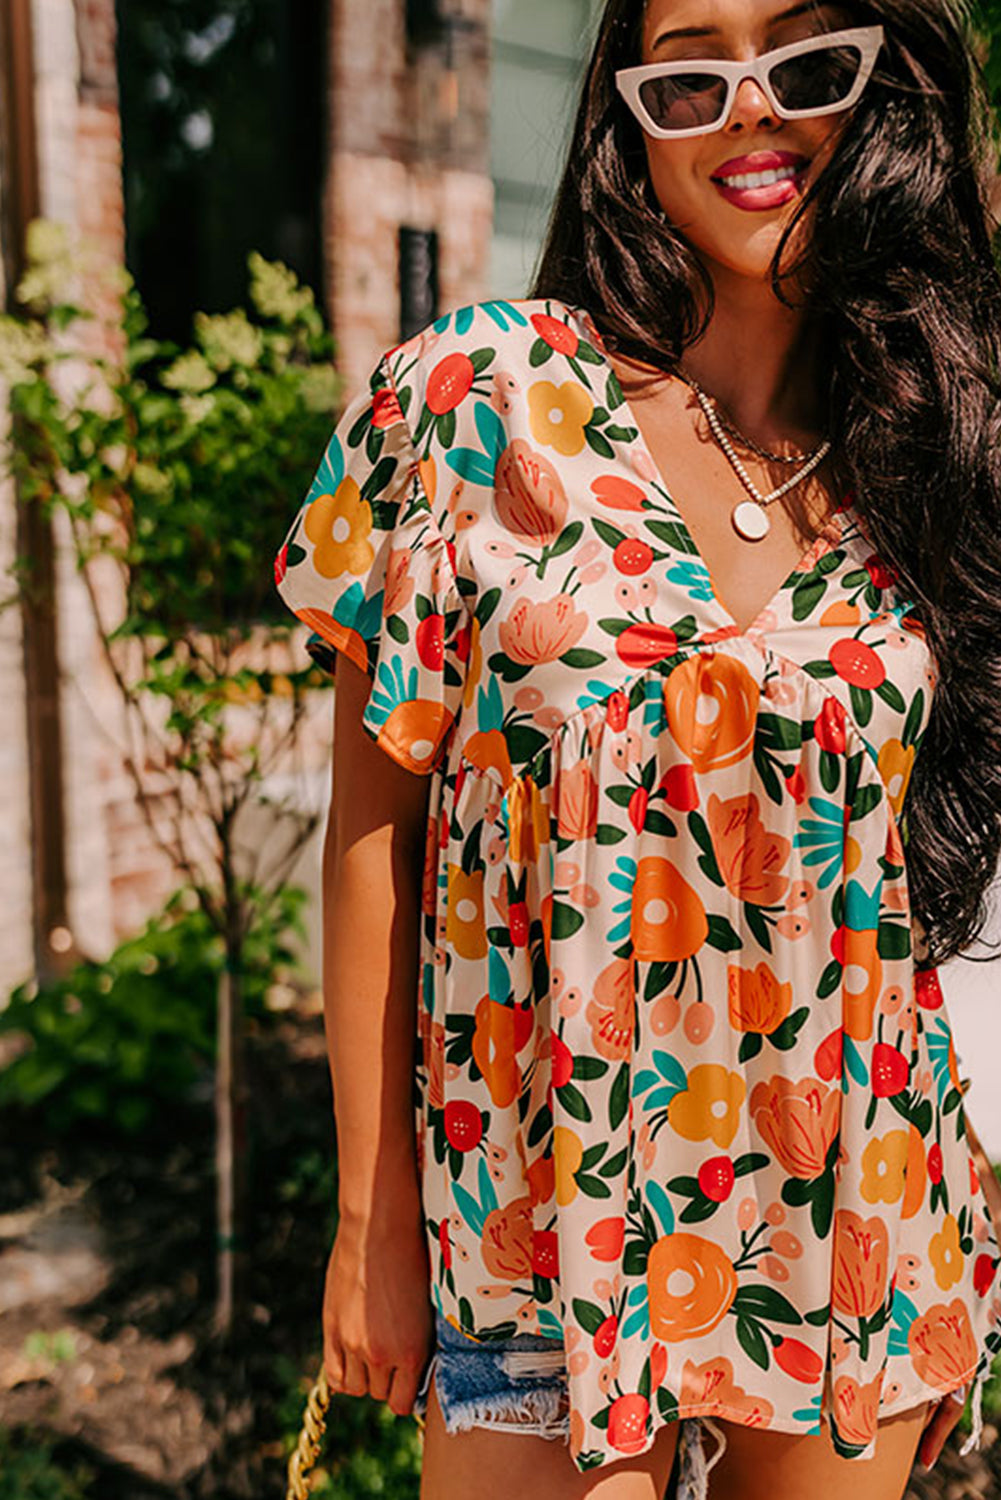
(460, 354)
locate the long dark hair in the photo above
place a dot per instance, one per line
(900, 267)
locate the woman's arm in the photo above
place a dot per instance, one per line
(377, 1311)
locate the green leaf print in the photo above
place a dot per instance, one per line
(618, 1100)
(806, 597)
(752, 1341)
(721, 935)
(765, 1302)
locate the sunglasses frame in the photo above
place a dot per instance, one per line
(868, 40)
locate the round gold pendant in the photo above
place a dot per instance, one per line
(750, 520)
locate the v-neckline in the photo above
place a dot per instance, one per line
(829, 537)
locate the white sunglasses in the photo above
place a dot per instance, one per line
(691, 96)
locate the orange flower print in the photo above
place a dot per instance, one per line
(541, 630)
(506, 1245)
(711, 703)
(945, 1254)
(558, 415)
(464, 925)
(916, 1174)
(611, 1013)
(856, 1409)
(576, 802)
(709, 1285)
(757, 1000)
(750, 858)
(861, 1256)
(668, 919)
(339, 526)
(529, 498)
(942, 1345)
(708, 1108)
(501, 1031)
(798, 1121)
(884, 1162)
(528, 821)
(710, 1385)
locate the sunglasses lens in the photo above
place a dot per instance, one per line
(816, 79)
(683, 100)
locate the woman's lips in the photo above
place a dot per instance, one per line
(770, 195)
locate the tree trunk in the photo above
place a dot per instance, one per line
(231, 1149)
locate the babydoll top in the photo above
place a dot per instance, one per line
(683, 1100)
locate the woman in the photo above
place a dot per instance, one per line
(665, 575)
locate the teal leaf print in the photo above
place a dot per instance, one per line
(661, 1205)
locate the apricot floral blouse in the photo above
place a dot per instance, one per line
(684, 1101)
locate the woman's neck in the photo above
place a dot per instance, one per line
(761, 360)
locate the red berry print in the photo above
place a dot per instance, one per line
(928, 989)
(680, 788)
(517, 922)
(449, 381)
(856, 663)
(556, 334)
(716, 1178)
(983, 1274)
(640, 645)
(562, 1063)
(463, 1124)
(827, 1058)
(385, 409)
(627, 1421)
(545, 1253)
(604, 1338)
(617, 711)
(829, 727)
(637, 808)
(632, 556)
(882, 575)
(429, 641)
(889, 1070)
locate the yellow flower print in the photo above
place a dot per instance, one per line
(709, 1108)
(883, 1163)
(946, 1256)
(339, 526)
(568, 1153)
(895, 765)
(559, 414)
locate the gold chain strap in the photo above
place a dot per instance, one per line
(307, 1449)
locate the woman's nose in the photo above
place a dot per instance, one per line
(751, 105)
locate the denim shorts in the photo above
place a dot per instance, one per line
(518, 1383)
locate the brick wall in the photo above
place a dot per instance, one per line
(407, 144)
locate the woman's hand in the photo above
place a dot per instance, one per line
(944, 1416)
(378, 1320)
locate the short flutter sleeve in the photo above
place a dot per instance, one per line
(367, 568)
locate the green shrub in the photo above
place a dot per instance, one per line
(30, 1471)
(124, 1040)
(367, 1449)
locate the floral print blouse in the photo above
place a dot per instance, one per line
(683, 1100)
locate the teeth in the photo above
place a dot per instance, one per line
(759, 179)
